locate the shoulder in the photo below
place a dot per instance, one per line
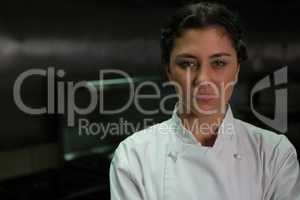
(277, 160)
(265, 138)
(273, 150)
(148, 140)
(142, 149)
(149, 135)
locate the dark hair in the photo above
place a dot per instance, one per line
(201, 15)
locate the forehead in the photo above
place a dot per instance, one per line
(203, 41)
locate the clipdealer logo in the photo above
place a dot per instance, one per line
(279, 122)
(135, 95)
(71, 108)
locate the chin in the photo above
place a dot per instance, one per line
(205, 108)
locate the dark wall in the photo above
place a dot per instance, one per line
(82, 37)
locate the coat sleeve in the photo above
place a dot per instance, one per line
(123, 183)
(285, 184)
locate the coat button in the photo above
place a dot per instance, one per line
(173, 156)
(237, 156)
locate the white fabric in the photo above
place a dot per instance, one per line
(165, 162)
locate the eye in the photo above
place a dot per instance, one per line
(219, 63)
(186, 63)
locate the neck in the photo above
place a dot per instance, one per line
(203, 127)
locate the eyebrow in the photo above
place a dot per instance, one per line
(187, 55)
(220, 54)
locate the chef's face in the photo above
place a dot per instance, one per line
(204, 68)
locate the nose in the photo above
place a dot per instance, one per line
(202, 75)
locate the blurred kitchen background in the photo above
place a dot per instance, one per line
(40, 155)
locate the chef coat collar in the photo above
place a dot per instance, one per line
(226, 132)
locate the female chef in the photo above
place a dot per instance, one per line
(202, 151)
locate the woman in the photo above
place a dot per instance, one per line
(203, 152)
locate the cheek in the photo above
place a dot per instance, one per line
(227, 76)
(183, 82)
(225, 83)
(184, 85)
(229, 86)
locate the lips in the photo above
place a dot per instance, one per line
(205, 96)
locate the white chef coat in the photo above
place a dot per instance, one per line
(165, 162)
